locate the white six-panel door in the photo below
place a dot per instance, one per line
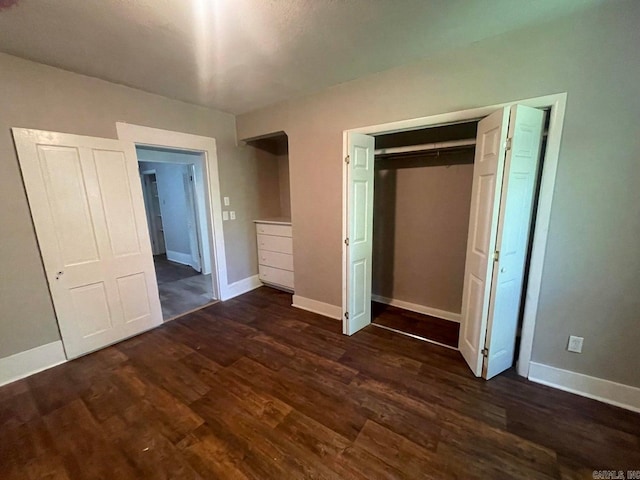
(514, 224)
(360, 230)
(488, 170)
(87, 207)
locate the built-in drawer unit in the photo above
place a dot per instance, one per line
(275, 230)
(275, 244)
(275, 253)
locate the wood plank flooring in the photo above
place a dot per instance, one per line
(425, 326)
(254, 389)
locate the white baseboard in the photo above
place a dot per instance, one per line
(321, 308)
(179, 257)
(618, 394)
(413, 307)
(241, 286)
(32, 361)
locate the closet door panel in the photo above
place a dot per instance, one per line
(483, 223)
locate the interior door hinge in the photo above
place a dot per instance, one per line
(507, 145)
(346, 315)
(485, 352)
(346, 242)
(496, 255)
(347, 159)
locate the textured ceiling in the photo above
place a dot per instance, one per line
(239, 55)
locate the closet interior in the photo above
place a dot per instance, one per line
(422, 195)
(422, 199)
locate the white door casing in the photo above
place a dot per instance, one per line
(88, 211)
(514, 224)
(488, 170)
(360, 230)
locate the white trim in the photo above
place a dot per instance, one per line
(243, 286)
(32, 361)
(148, 136)
(414, 307)
(179, 257)
(540, 232)
(618, 394)
(321, 308)
(557, 102)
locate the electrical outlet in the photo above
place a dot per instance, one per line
(226, 201)
(232, 215)
(225, 215)
(575, 344)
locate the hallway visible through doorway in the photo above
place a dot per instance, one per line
(181, 288)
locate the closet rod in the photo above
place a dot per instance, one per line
(426, 147)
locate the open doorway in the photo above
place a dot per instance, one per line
(173, 189)
(504, 255)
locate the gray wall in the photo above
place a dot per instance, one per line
(591, 277)
(41, 97)
(285, 191)
(420, 225)
(173, 205)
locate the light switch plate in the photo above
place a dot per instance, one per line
(232, 215)
(575, 344)
(225, 215)
(226, 201)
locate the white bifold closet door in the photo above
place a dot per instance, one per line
(359, 243)
(504, 180)
(88, 211)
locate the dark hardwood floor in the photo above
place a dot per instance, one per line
(425, 326)
(254, 389)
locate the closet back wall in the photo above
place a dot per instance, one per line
(421, 218)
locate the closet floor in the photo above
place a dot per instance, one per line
(430, 328)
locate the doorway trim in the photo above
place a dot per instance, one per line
(155, 137)
(557, 102)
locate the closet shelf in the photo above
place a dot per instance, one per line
(426, 147)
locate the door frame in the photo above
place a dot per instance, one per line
(557, 103)
(155, 137)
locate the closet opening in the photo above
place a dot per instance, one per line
(175, 203)
(445, 221)
(422, 198)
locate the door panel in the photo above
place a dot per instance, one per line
(88, 212)
(115, 191)
(67, 203)
(133, 289)
(360, 231)
(516, 208)
(483, 222)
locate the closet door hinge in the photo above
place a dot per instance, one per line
(496, 255)
(484, 352)
(507, 144)
(347, 159)
(346, 315)
(346, 242)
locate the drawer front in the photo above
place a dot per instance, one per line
(275, 244)
(283, 261)
(270, 229)
(276, 275)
